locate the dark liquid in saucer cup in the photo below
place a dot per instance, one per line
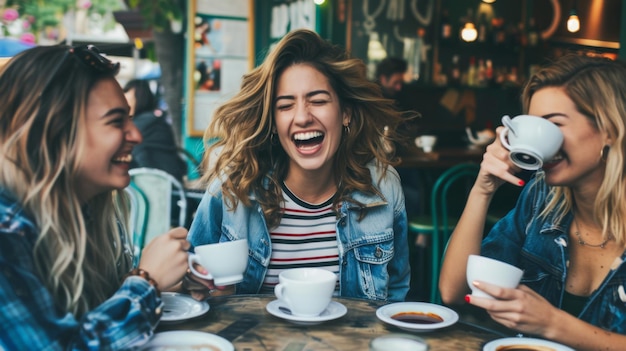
(524, 348)
(417, 317)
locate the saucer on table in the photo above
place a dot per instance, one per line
(543, 345)
(417, 316)
(333, 311)
(187, 340)
(179, 307)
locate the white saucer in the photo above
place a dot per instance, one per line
(495, 344)
(385, 313)
(195, 340)
(179, 307)
(333, 311)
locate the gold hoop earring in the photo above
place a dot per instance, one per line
(604, 153)
(346, 129)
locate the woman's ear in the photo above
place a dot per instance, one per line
(347, 115)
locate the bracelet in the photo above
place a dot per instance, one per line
(145, 275)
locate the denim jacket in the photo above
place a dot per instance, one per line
(373, 251)
(538, 245)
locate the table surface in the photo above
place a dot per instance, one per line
(243, 320)
(440, 157)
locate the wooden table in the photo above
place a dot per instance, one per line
(243, 320)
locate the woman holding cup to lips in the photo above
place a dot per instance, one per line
(568, 229)
(300, 171)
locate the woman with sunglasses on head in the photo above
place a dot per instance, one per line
(299, 169)
(66, 281)
(568, 229)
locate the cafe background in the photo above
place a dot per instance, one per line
(453, 83)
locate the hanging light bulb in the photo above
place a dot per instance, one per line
(489, 1)
(319, 2)
(573, 23)
(469, 32)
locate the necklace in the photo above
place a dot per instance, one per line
(582, 242)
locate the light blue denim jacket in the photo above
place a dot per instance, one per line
(538, 245)
(373, 251)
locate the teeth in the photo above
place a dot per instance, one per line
(307, 135)
(124, 158)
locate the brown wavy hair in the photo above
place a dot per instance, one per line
(242, 153)
(597, 87)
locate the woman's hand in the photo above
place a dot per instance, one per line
(200, 288)
(165, 258)
(520, 309)
(496, 168)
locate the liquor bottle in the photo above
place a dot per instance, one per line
(533, 33)
(455, 71)
(446, 27)
(472, 72)
(483, 28)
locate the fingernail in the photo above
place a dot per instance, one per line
(467, 298)
(521, 183)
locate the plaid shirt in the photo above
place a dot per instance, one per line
(29, 319)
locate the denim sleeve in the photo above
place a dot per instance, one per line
(30, 320)
(398, 268)
(207, 222)
(506, 239)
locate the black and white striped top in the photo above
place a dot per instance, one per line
(305, 237)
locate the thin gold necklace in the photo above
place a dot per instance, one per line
(582, 242)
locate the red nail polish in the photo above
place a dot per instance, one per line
(521, 183)
(467, 298)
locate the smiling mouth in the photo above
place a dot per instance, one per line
(123, 159)
(308, 139)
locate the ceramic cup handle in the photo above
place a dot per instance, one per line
(194, 258)
(508, 127)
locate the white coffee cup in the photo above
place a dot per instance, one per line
(531, 140)
(306, 291)
(225, 261)
(426, 142)
(488, 270)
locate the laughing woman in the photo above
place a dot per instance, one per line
(65, 270)
(299, 170)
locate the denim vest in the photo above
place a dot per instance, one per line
(538, 245)
(373, 250)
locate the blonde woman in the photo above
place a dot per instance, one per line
(66, 281)
(299, 170)
(568, 229)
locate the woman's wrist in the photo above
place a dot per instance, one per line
(145, 275)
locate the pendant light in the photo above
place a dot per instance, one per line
(573, 23)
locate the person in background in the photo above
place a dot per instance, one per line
(299, 170)
(66, 281)
(390, 75)
(568, 229)
(158, 149)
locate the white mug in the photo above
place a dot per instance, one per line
(531, 140)
(225, 261)
(491, 271)
(306, 291)
(426, 142)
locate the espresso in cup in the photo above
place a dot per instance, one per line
(225, 261)
(531, 140)
(306, 291)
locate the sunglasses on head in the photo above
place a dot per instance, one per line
(87, 55)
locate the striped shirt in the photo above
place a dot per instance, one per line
(305, 237)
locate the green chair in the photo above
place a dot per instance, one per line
(440, 224)
(138, 219)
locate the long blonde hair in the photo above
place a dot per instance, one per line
(79, 250)
(597, 86)
(249, 161)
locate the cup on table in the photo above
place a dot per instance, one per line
(491, 271)
(306, 291)
(225, 261)
(398, 342)
(531, 140)
(426, 142)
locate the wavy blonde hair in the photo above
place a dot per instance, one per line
(243, 154)
(597, 86)
(79, 257)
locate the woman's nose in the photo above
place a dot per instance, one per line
(302, 114)
(132, 133)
